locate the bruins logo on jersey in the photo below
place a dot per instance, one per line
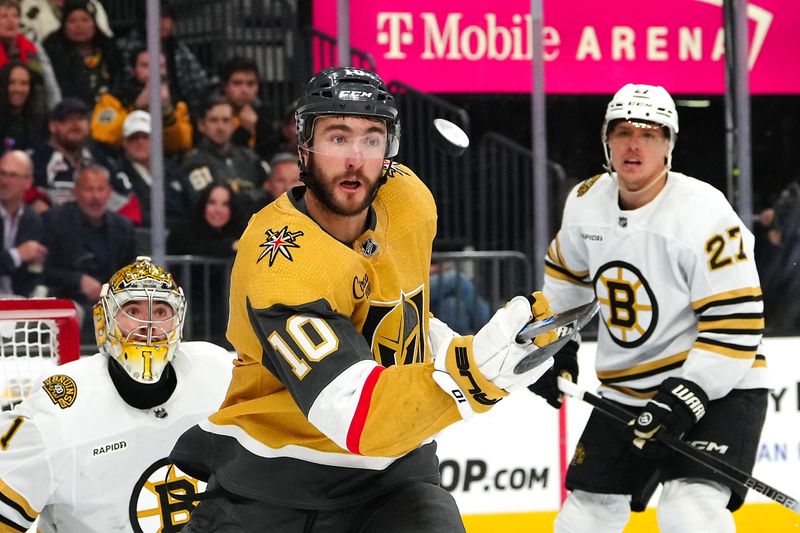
(395, 330)
(152, 507)
(628, 304)
(587, 184)
(279, 242)
(61, 389)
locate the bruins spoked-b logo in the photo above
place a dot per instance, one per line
(152, 507)
(627, 303)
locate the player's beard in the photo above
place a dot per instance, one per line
(325, 192)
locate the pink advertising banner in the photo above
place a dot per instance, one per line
(590, 46)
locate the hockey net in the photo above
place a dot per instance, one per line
(34, 335)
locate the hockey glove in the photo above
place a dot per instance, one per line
(565, 364)
(479, 371)
(676, 407)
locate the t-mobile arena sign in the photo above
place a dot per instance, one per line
(589, 46)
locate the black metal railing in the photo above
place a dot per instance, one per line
(322, 51)
(505, 188)
(264, 30)
(447, 177)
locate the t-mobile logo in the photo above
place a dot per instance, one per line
(394, 30)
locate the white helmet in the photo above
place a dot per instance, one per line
(144, 344)
(646, 103)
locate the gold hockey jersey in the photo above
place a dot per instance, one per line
(332, 397)
(677, 284)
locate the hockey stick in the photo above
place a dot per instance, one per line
(566, 324)
(683, 447)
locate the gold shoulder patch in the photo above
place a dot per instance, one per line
(587, 184)
(392, 169)
(62, 390)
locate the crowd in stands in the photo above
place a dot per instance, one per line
(75, 125)
(75, 177)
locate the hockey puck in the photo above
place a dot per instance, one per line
(450, 138)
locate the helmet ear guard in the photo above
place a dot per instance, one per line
(143, 344)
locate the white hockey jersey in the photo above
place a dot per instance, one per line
(677, 284)
(82, 459)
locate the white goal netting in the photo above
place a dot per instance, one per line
(34, 335)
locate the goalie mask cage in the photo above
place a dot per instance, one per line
(34, 335)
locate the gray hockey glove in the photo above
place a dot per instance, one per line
(676, 407)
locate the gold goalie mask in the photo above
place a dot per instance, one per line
(139, 319)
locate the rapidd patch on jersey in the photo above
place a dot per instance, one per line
(61, 389)
(152, 506)
(587, 184)
(279, 243)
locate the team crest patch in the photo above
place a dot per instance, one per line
(369, 247)
(587, 184)
(279, 243)
(580, 455)
(61, 389)
(158, 500)
(391, 169)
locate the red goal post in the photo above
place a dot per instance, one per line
(35, 333)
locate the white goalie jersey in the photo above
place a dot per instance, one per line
(77, 456)
(677, 284)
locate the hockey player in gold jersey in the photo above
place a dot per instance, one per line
(336, 398)
(682, 316)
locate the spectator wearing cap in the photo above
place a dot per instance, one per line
(87, 244)
(112, 108)
(188, 81)
(69, 146)
(216, 158)
(86, 62)
(134, 172)
(40, 18)
(282, 140)
(16, 47)
(240, 85)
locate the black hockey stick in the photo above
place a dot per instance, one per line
(566, 324)
(683, 447)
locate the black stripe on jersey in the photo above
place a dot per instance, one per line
(630, 391)
(14, 505)
(735, 331)
(640, 375)
(13, 525)
(729, 301)
(585, 280)
(352, 348)
(728, 345)
(732, 316)
(760, 357)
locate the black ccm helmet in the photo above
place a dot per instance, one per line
(347, 91)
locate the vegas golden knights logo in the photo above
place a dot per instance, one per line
(152, 507)
(395, 330)
(628, 304)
